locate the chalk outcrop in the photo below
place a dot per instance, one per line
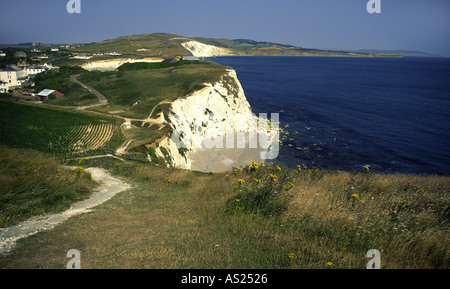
(113, 64)
(204, 50)
(213, 129)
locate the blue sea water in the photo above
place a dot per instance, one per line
(391, 114)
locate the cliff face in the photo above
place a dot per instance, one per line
(204, 124)
(113, 64)
(204, 50)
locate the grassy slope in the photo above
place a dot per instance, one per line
(74, 94)
(150, 86)
(156, 43)
(183, 224)
(34, 183)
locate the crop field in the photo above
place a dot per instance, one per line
(59, 133)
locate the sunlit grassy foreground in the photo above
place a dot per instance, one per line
(259, 217)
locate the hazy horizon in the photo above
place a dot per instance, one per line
(412, 25)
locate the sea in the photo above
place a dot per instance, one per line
(344, 113)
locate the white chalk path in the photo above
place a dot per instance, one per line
(108, 187)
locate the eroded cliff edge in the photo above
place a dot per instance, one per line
(214, 129)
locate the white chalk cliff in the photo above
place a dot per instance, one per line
(217, 111)
(204, 50)
(113, 64)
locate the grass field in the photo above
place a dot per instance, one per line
(57, 132)
(309, 219)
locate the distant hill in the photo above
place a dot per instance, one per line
(396, 52)
(170, 45)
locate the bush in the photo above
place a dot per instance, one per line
(267, 194)
(265, 200)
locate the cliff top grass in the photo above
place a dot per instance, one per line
(259, 217)
(34, 183)
(149, 84)
(155, 44)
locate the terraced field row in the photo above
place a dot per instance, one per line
(91, 136)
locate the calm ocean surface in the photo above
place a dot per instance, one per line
(392, 114)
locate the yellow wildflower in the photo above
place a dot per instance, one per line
(329, 263)
(355, 196)
(273, 177)
(278, 168)
(240, 181)
(237, 200)
(118, 164)
(257, 181)
(291, 184)
(291, 255)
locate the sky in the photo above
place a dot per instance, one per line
(420, 25)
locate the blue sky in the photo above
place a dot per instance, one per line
(422, 25)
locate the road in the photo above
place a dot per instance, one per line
(102, 99)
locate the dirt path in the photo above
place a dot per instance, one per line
(102, 99)
(109, 186)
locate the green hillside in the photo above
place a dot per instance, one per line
(156, 44)
(169, 45)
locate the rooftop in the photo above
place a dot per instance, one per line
(46, 92)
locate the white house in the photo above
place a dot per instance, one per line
(13, 75)
(2, 54)
(33, 70)
(54, 49)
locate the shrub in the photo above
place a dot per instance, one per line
(267, 194)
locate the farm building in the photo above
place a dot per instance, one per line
(48, 93)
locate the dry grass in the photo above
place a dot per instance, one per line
(183, 223)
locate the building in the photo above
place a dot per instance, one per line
(13, 75)
(43, 56)
(82, 56)
(33, 70)
(191, 58)
(2, 54)
(4, 87)
(54, 49)
(35, 50)
(112, 53)
(48, 93)
(20, 54)
(22, 63)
